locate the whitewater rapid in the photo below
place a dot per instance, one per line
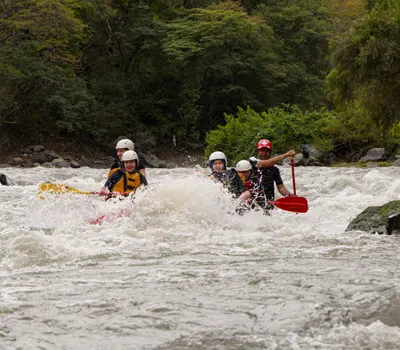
(181, 271)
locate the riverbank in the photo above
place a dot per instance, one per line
(102, 156)
(66, 154)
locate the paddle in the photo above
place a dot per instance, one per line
(293, 181)
(60, 189)
(109, 217)
(293, 203)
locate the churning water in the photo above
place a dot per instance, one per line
(180, 271)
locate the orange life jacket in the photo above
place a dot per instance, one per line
(128, 182)
(112, 171)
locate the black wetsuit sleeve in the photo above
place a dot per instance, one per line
(143, 180)
(110, 183)
(277, 176)
(235, 186)
(142, 162)
(253, 161)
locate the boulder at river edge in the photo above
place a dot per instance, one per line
(3, 180)
(380, 219)
(375, 154)
(37, 155)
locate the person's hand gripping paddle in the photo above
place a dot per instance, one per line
(293, 203)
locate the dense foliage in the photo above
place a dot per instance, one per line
(286, 128)
(95, 69)
(366, 74)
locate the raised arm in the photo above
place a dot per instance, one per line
(272, 161)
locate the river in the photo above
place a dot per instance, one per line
(180, 271)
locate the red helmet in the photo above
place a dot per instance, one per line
(264, 144)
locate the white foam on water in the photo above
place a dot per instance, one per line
(177, 268)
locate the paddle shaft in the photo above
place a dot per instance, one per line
(61, 189)
(292, 203)
(293, 180)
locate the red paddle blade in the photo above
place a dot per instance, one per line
(110, 218)
(98, 220)
(292, 203)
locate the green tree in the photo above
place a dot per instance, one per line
(367, 66)
(345, 13)
(127, 71)
(304, 29)
(226, 59)
(39, 56)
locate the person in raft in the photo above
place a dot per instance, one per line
(227, 176)
(245, 172)
(127, 179)
(121, 147)
(266, 175)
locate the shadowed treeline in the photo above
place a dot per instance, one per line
(94, 69)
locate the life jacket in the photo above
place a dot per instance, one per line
(248, 183)
(112, 171)
(129, 182)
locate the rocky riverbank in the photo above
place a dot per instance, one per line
(164, 156)
(53, 156)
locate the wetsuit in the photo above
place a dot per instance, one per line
(125, 182)
(263, 184)
(230, 179)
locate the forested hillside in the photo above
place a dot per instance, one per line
(96, 69)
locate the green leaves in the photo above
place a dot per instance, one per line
(286, 128)
(180, 67)
(39, 56)
(367, 65)
(51, 24)
(303, 29)
(225, 57)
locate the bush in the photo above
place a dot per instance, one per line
(394, 137)
(348, 134)
(287, 128)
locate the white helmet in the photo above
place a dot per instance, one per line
(130, 155)
(125, 143)
(217, 156)
(243, 165)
